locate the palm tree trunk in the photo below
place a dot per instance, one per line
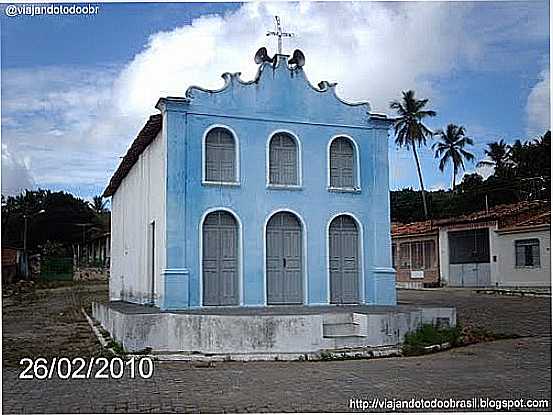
(454, 175)
(420, 181)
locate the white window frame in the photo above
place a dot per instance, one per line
(525, 241)
(273, 186)
(236, 157)
(357, 187)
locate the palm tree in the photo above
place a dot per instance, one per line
(451, 148)
(544, 140)
(410, 131)
(498, 157)
(98, 204)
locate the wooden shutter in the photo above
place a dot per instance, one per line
(220, 259)
(220, 156)
(343, 261)
(284, 260)
(342, 163)
(283, 160)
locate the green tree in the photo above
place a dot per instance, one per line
(497, 155)
(98, 204)
(62, 221)
(451, 149)
(410, 130)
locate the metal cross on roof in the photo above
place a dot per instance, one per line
(279, 33)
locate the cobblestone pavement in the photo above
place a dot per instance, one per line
(523, 316)
(506, 369)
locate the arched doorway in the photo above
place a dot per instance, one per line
(284, 259)
(343, 240)
(220, 259)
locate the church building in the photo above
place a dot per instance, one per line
(262, 193)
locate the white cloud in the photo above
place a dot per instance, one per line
(15, 173)
(372, 50)
(485, 171)
(538, 107)
(61, 120)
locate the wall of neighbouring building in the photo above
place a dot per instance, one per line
(10, 264)
(426, 276)
(139, 200)
(475, 274)
(511, 275)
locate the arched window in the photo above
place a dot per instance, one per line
(220, 157)
(343, 172)
(283, 160)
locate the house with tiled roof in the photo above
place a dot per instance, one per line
(507, 246)
(415, 254)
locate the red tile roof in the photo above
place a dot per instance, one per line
(415, 228)
(529, 220)
(504, 214)
(510, 216)
(142, 140)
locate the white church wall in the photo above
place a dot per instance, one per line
(139, 201)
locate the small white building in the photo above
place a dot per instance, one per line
(507, 246)
(524, 251)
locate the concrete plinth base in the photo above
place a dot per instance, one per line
(262, 333)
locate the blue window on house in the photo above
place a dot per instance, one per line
(283, 160)
(220, 157)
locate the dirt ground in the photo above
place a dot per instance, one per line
(48, 322)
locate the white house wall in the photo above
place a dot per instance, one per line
(139, 200)
(443, 243)
(509, 275)
(443, 252)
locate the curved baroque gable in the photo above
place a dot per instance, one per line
(280, 92)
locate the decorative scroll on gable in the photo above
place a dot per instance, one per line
(281, 90)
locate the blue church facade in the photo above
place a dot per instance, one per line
(273, 192)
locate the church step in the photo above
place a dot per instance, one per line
(340, 318)
(341, 329)
(349, 341)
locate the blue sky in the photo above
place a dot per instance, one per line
(76, 89)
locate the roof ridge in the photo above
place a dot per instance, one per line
(146, 135)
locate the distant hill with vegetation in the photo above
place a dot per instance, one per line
(522, 171)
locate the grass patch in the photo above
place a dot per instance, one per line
(429, 335)
(117, 348)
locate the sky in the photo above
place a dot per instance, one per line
(75, 90)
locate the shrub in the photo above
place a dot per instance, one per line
(429, 335)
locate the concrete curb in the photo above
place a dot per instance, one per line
(94, 326)
(513, 292)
